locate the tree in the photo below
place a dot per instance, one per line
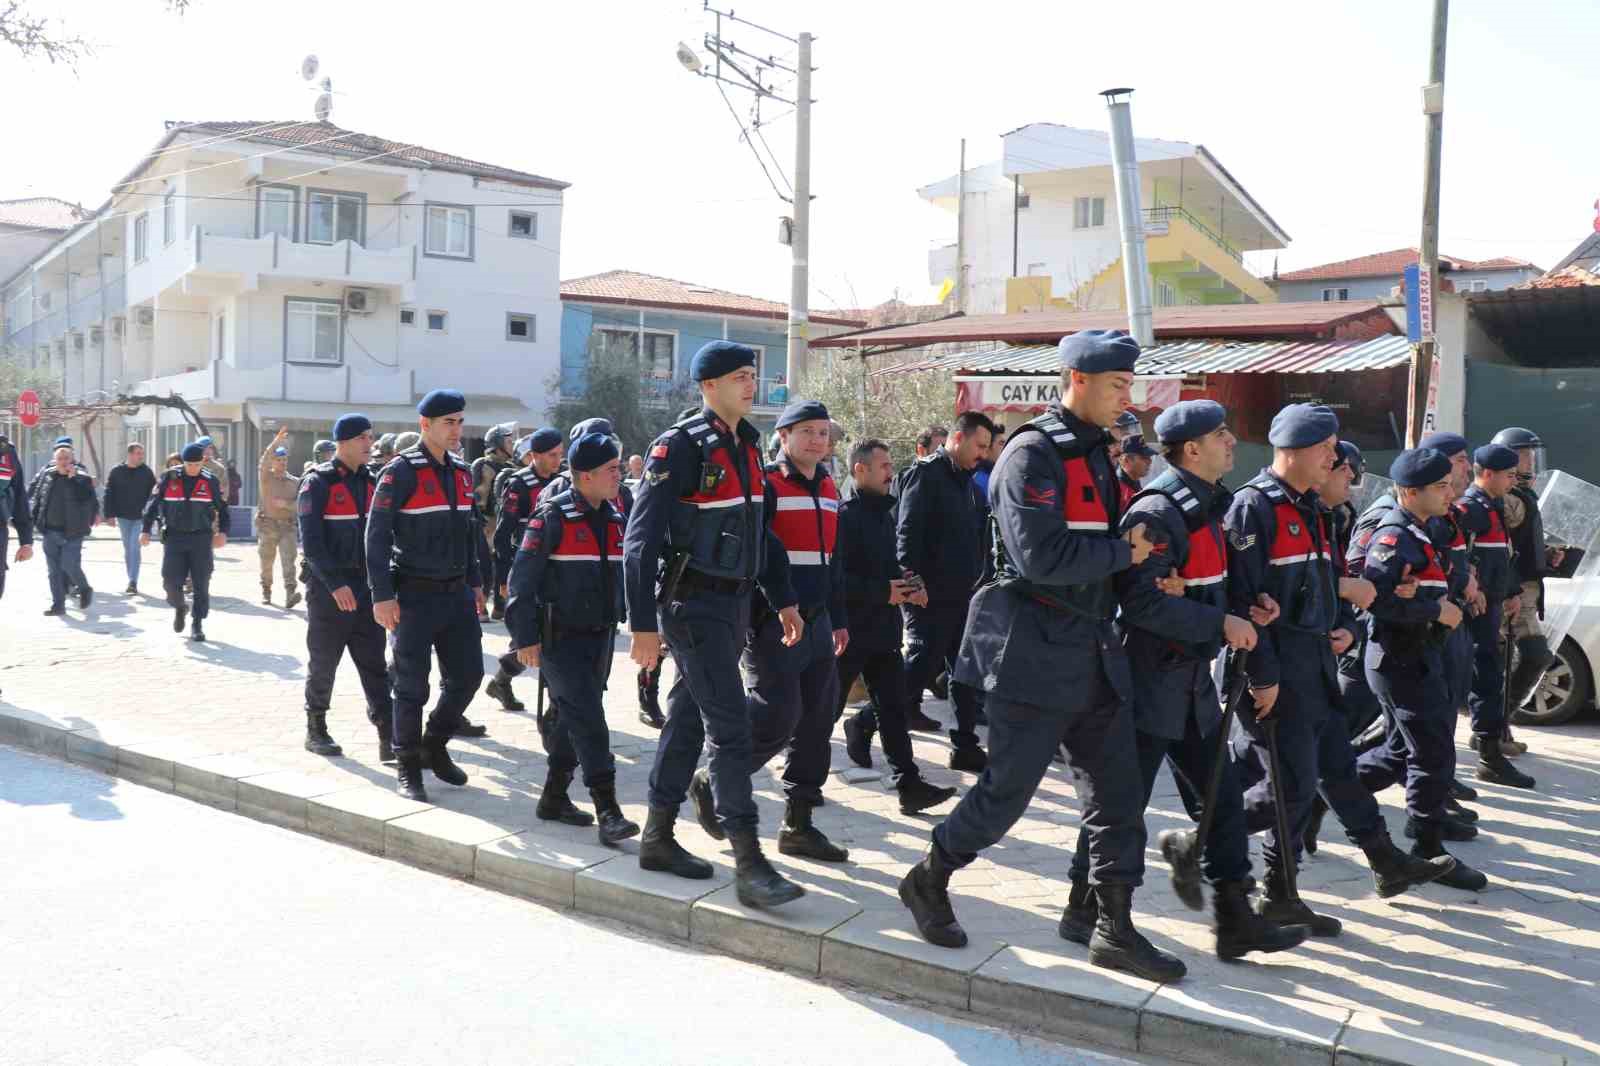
(33, 34)
(640, 407)
(892, 407)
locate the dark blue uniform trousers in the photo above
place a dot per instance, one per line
(1487, 702)
(1099, 738)
(707, 707)
(1458, 656)
(1226, 854)
(575, 667)
(1419, 748)
(187, 556)
(331, 632)
(792, 701)
(434, 622)
(1356, 700)
(884, 672)
(933, 640)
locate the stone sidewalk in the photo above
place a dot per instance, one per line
(1507, 976)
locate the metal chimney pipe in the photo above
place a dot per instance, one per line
(1135, 263)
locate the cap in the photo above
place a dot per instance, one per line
(1419, 468)
(441, 402)
(719, 358)
(193, 452)
(592, 450)
(1137, 446)
(1189, 420)
(588, 426)
(1495, 457)
(1300, 425)
(1098, 351)
(350, 426)
(802, 411)
(1446, 444)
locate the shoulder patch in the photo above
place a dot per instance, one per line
(1388, 540)
(659, 451)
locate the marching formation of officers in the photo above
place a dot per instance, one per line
(1284, 656)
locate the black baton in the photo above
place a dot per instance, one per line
(1186, 870)
(1286, 853)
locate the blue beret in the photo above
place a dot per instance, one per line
(441, 402)
(719, 358)
(1446, 444)
(350, 426)
(280, 451)
(193, 453)
(802, 411)
(601, 426)
(204, 441)
(1189, 420)
(540, 440)
(1419, 468)
(1098, 351)
(1300, 425)
(1495, 457)
(593, 450)
(1137, 446)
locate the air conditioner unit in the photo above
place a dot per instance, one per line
(147, 316)
(97, 334)
(117, 325)
(360, 301)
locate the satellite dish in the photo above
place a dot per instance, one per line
(309, 66)
(323, 107)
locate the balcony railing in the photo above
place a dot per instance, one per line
(1164, 215)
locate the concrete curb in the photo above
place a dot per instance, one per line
(824, 934)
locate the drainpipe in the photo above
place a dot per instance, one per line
(1135, 263)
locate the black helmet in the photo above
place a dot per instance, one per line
(1517, 437)
(1350, 455)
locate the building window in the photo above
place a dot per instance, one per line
(1023, 202)
(1478, 285)
(520, 327)
(1088, 212)
(222, 335)
(659, 353)
(448, 232)
(277, 210)
(335, 216)
(312, 331)
(408, 316)
(1331, 295)
(438, 322)
(1038, 270)
(525, 224)
(141, 238)
(169, 216)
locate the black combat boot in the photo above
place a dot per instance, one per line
(556, 806)
(438, 760)
(384, 724)
(465, 728)
(614, 825)
(925, 890)
(197, 632)
(499, 688)
(970, 758)
(799, 838)
(1241, 930)
(1319, 810)
(858, 741)
(1430, 845)
(1495, 768)
(409, 767)
(1082, 912)
(318, 742)
(1394, 871)
(755, 882)
(1448, 828)
(705, 806)
(659, 850)
(916, 795)
(918, 722)
(1278, 906)
(1460, 792)
(1453, 809)
(650, 698)
(1181, 849)
(1117, 945)
(180, 614)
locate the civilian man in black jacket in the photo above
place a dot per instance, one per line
(13, 508)
(64, 508)
(938, 537)
(874, 586)
(128, 488)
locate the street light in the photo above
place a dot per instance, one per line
(690, 61)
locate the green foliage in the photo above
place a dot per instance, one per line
(640, 408)
(893, 407)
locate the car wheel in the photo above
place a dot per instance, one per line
(1563, 691)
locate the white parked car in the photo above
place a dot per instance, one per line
(1568, 686)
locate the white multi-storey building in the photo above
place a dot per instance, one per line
(278, 274)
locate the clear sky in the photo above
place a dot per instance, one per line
(1314, 108)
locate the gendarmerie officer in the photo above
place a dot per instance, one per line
(486, 469)
(697, 544)
(1482, 511)
(423, 541)
(566, 598)
(874, 587)
(1040, 642)
(1406, 662)
(516, 494)
(190, 503)
(1133, 466)
(794, 689)
(13, 508)
(940, 540)
(1171, 641)
(335, 499)
(1532, 560)
(1463, 585)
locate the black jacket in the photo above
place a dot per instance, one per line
(186, 504)
(423, 523)
(937, 533)
(867, 545)
(332, 514)
(128, 490)
(80, 506)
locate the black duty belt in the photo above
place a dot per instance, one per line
(694, 581)
(429, 584)
(582, 631)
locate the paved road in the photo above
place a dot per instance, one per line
(140, 928)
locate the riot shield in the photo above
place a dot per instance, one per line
(1570, 507)
(1372, 486)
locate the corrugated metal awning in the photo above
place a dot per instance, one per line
(1188, 357)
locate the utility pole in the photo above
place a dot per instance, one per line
(1424, 353)
(800, 245)
(961, 232)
